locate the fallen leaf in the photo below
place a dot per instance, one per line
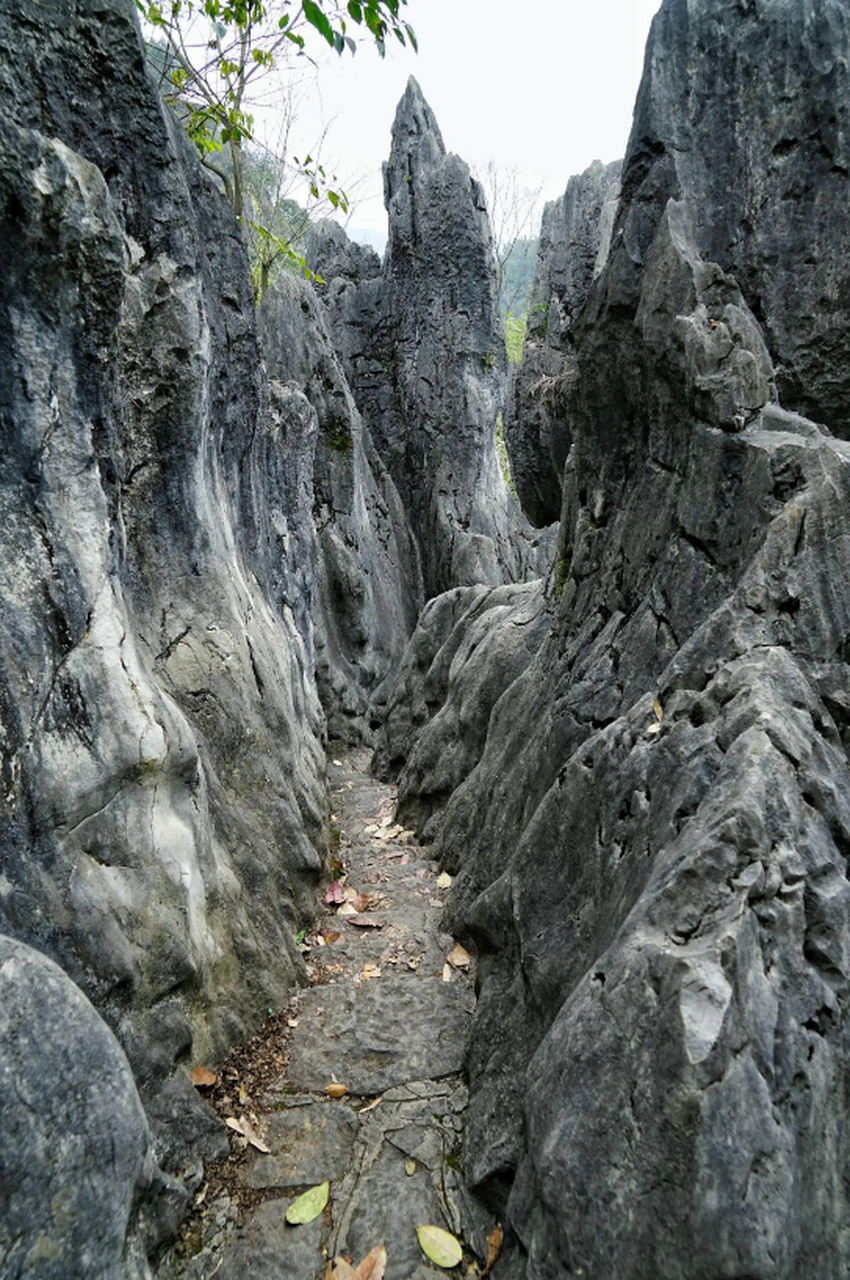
(372, 1267)
(305, 1208)
(365, 922)
(370, 971)
(334, 1090)
(337, 868)
(253, 1137)
(335, 893)
(459, 957)
(447, 972)
(243, 1094)
(233, 1123)
(444, 880)
(370, 1106)
(658, 709)
(494, 1248)
(347, 909)
(440, 1246)
(362, 902)
(652, 729)
(292, 1022)
(410, 1167)
(203, 1078)
(332, 935)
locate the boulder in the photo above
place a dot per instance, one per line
(81, 1196)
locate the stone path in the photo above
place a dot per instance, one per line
(388, 1018)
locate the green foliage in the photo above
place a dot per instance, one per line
(214, 52)
(517, 276)
(502, 454)
(515, 327)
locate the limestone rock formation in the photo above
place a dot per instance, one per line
(424, 352)
(368, 588)
(575, 235)
(81, 1197)
(163, 805)
(652, 847)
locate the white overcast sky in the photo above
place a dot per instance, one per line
(548, 85)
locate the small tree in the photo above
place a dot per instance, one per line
(216, 51)
(514, 210)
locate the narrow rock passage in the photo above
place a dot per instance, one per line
(388, 1017)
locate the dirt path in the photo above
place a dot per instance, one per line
(388, 1017)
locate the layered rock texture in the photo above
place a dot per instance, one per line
(575, 236)
(207, 566)
(216, 537)
(163, 795)
(652, 843)
(422, 345)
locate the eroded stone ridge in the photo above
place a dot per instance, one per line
(424, 352)
(163, 800)
(575, 235)
(652, 845)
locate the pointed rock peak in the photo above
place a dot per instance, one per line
(414, 121)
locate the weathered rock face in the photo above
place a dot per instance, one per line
(424, 352)
(163, 802)
(768, 199)
(652, 846)
(81, 1195)
(369, 588)
(575, 235)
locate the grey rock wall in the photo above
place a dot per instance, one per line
(651, 844)
(368, 588)
(163, 814)
(575, 235)
(423, 350)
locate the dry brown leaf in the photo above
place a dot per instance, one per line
(372, 1267)
(253, 1137)
(494, 1248)
(203, 1078)
(362, 902)
(335, 1090)
(365, 922)
(370, 1106)
(347, 909)
(459, 957)
(658, 709)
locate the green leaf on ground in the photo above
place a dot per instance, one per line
(440, 1246)
(309, 1205)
